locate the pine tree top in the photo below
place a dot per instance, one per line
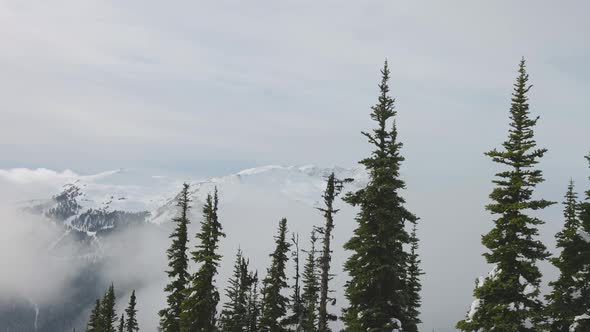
(107, 312)
(132, 325)
(570, 214)
(520, 152)
(274, 304)
(178, 264)
(210, 233)
(508, 299)
(377, 291)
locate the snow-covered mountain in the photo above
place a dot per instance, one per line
(90, 204)
(297, 184)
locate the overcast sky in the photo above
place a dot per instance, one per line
(208, 88)
(217, 86)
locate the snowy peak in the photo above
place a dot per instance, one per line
(297, 184)
(76, 210)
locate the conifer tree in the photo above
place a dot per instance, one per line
(561, 308)
(376, 290)
(233, 310)
(507, 300)
(414, 285)
(95, 319)
(274, 304)
(199, 308)
(311, 288)
(121, 327)
(296, 304)
(132, 325)
(581, 322)
(333, 188)
(253, 309)
(107, 311)
(235, 314)
(178, 264)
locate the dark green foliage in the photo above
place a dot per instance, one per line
(178, 263)
(95, 319)
(131, 325)
(414, 285)
(333, 188)
(199, 308)
(311, 288)
(253, 308)
(108, 317)
(274, 304)
(121, 327)
(236, 315)
(509, 298)
(376, 290)
(562, 306)
(583, 275)
(296, 305)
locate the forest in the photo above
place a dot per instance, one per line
(383, 288)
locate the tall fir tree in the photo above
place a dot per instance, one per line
(296, 305)
(132, 325)
(582, 320)
(414, 285)
(507, 300)
(199, 308)
(274, 303)
(561, 307)
(334, 187)
(253, 309)
(94, 322)
(121, 327)
(178, 264)
(107, 311)
(311, 288)
(376, 290)
(235, 315)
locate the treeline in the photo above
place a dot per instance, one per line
(383, 267)
(103, 317)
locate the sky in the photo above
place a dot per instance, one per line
(209, 88)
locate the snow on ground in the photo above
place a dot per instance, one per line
(584, 235)
(577, 320)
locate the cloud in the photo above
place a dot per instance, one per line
(35, 176)
(29, 270)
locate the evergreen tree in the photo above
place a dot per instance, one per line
(178, 264)
(507, 300)
(311, 288)
(253, 309)
(121, 327)
(95, 319)
(376, 290)
(107, 311)
(582, 320)
(296, 304)
(199, 308)
(235, 315)
(274, 304)
(561, 308)
(414, 285)
(132, 325)
(333, 188)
